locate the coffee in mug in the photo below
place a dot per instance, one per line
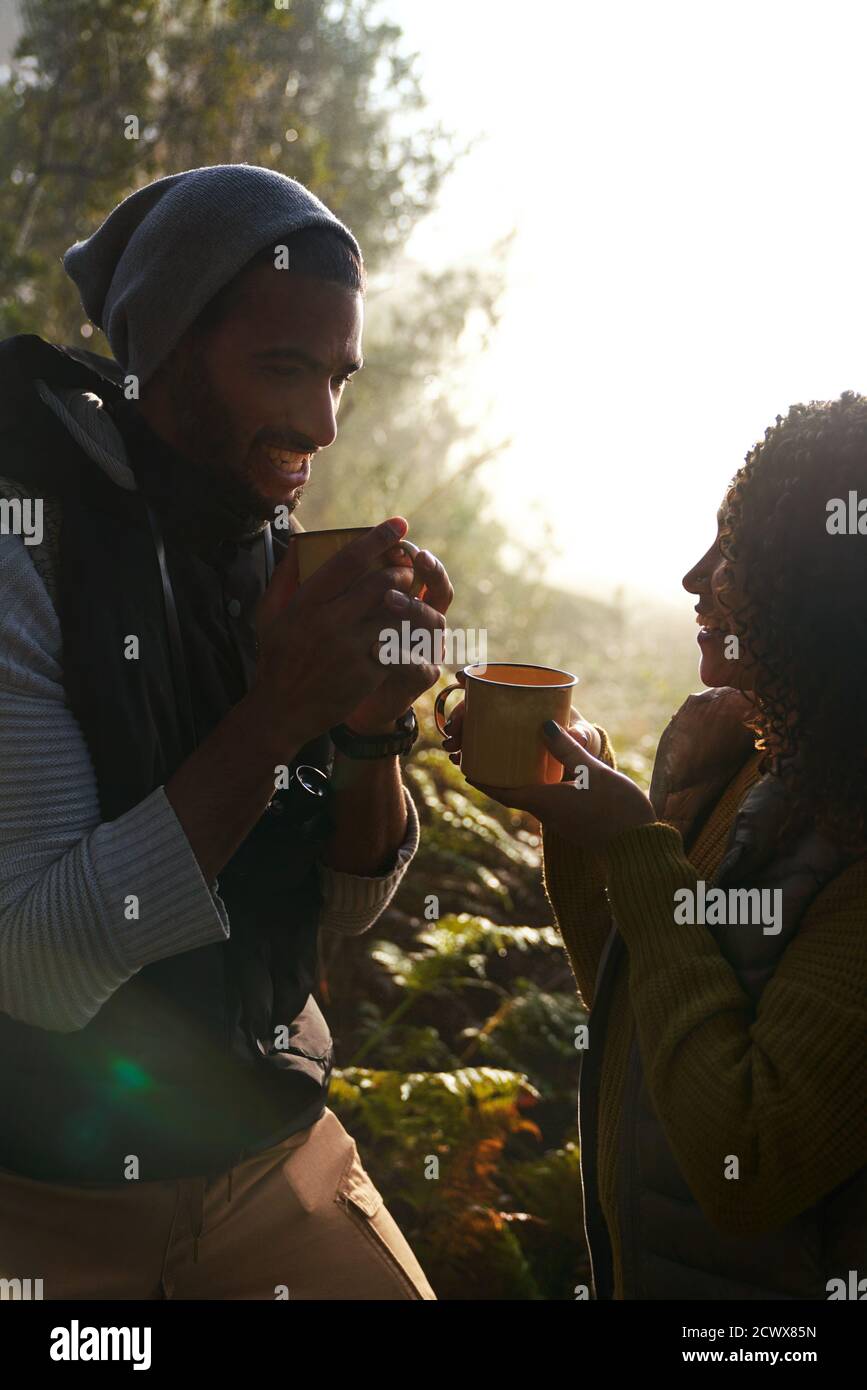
(506, 706)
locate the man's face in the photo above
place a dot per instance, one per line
(253, 400)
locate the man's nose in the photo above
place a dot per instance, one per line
(316, 419)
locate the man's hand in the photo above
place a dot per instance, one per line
(318, 641)
(404, 683)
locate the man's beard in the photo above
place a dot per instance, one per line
(207, 441)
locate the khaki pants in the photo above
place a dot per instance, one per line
(301, 1220)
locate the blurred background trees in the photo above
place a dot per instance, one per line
(455, 1034)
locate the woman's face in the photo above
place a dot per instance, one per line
(724, 660)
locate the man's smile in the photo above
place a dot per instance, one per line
(291, 467)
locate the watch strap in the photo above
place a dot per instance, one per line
(355, 745)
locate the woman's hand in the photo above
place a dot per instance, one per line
(589, 811)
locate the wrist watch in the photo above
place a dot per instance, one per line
(355, 745)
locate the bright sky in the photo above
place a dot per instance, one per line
(687, 183)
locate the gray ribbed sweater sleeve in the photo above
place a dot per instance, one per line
(352, 903)
(69, 936)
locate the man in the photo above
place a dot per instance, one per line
(170, 838)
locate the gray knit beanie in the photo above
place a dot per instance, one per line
(166, 250)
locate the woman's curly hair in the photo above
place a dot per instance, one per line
(803, 618)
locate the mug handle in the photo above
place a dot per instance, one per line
(440, 706)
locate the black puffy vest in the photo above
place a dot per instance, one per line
(179, 1066)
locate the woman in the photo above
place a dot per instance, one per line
(723, 1117)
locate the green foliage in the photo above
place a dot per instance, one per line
(533, 1031)
(466, 1022)
(485, 1221)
